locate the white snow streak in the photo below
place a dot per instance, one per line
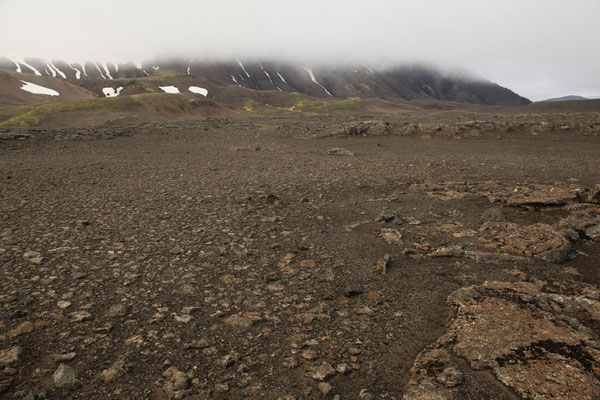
(111, 92)
(281, 77)
(77, 72)
(22, 61)
(236, 82)
(242, 65)
(198, 90)
(268, 76)
(98, 68)
(188, 69)
(37, 89)
(369, 69)
(312, 77)
(83, 68)
(106, 70)
(169, 89)
(58, 70)
(52, 71)
(18, 66)
(144, 71)
(156, 68)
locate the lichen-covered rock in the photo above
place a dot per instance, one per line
(537, 240)
(540, 344)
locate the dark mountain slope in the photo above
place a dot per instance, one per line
(393, 84)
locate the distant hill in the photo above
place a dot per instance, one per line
(567, 98)
(398, 84)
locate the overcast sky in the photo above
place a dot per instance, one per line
(538, 48)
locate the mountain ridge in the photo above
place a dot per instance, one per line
(401, 83)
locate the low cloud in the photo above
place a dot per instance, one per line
(539, 48)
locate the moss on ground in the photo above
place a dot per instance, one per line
(160, 74)
(31, 115)
(305, 105)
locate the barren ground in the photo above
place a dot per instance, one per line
(239, 254)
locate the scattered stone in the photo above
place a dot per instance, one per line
(229, 359)
(25, 327)
(115, 371)
(365, 395)
(63, 357)
(309, 354)
(35, 395)
(353, 289)
(290, 363)
(9, 356)
(64, 376)
(34, 257)
(63, 304)
(308, 264)
(391, 236)
(184, 319)
(176, 250)
(80, 316)
(382, 265)
(176, 382)
(338, 151)
(324, 388)
(242, 320)
(322, 371)
(116, 311)
(385, 218)
(342, 368)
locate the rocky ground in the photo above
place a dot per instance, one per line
(434, 256)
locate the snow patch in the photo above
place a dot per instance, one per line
(268, 76)
(144, 71)
(106, 70)
(111, 92)
(236, 82)
(156, 68)
(98, 68)
(18, 66)
(368, 69)
(77, 72)
(169, 89)
(22, 61)
(52, 71)
(37, 89)
(312, 77)
(58, 70)
(280, 77)
(242, 65)
(198, 90)
(83, 68)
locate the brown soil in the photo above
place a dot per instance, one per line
(232, 246)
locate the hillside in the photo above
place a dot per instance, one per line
(402, 83)
(567, 98)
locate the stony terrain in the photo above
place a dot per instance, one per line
(433, 255)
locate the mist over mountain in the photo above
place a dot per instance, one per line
(394, 83)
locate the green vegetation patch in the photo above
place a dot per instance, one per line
(160, 74)
(312, 106)
(305, 105)
(30, 115)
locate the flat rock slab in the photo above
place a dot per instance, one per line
(537, 343)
